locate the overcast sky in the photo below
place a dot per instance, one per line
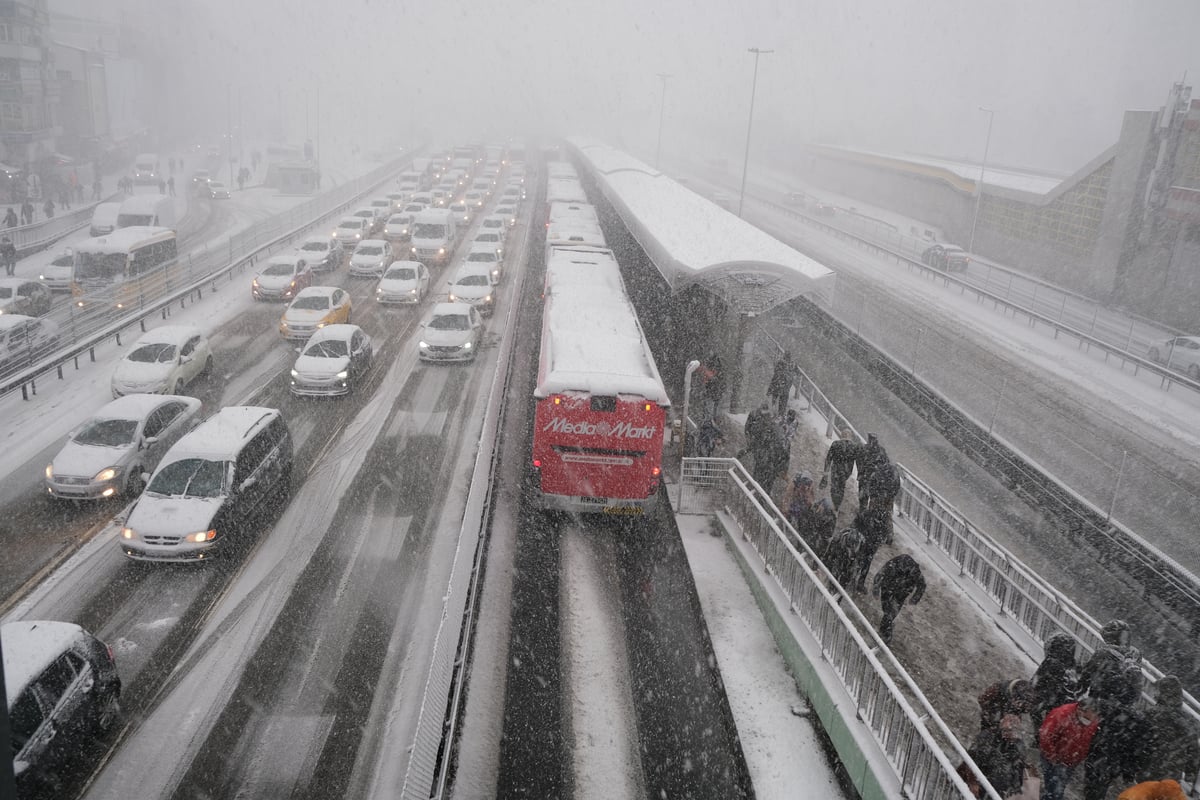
(893, 76)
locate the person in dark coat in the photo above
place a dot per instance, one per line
(1114, 670)
(839, 464)
(757, 421)
(780, 387)
(712, 384)
(10, 219)
(880, 495)
(1056, 681)
(873, 524)
(869, 458)
(1172, 748)
(824, 525)
(708, 437)
(842, 556)
(1118, 749)
(1003, 698)
(48, 208)
(1000, 756)
(899, 578)
(776, 454)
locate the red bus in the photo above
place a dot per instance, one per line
(600, 405)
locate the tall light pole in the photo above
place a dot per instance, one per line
(750, 122)
(987, 144)
(662, 107)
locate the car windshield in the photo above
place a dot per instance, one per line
(153, 353)
(473, 280)
(6, 292)
(279, 269)
(328, 348)
(351, 223)
(491, 238)
(63, 260)
(450, 322)
(482, 255)
(312, 302)
(401, 274)
(107, 432)
(429, 230)
(190, 477)
(315, 247)
(369, 251)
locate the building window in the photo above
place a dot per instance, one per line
(5, 32)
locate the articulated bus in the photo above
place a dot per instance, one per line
(125, 269)
(600, 405)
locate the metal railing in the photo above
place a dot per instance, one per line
(919, 756)
(37, 235)
(80, 331)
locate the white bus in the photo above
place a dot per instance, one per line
(125, 269)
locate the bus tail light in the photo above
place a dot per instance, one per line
(557, 400)
(656, 471)
(647, 407)
(537, 463)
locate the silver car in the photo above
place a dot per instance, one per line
(107, 454)
(1179, 352)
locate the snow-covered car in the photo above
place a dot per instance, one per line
(485, 256)
(163, 361)
(442, 195)
(107, 454)
(475, 199)
(332, 362)
(507, 211)
(404, 282)
(23, 340)
(452, 332)
(63, 691)
(412, 208)
(371, 221)
(398, 200)
(313, 309)
(58, 273)
(351, 230)
(282, 278)
(218, 191)
(398, 227)
(322, 251)
(24, 296)
(371, 258)
(946, 257)
(1179, 352)
(488, 237)
(383, 209)
(462, 212)
(495, 223)
(209, 488)
(475, 286)
(513, 193)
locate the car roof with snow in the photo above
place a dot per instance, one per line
(316, 291)
(220, 437)
(450, 309)
(30, 646)
(340, 333)
(138, 406)
(169, 334)
(12, 320)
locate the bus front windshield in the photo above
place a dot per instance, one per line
(99, 266)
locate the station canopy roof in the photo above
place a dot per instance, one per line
(693, 241)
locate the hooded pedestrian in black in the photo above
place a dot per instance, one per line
(1172, 748)
(839, 464)
(780, 387)
(1056, 681)
(899, 579)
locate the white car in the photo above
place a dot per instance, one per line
(484, 256)
(412, 208)
(399, 226)
(495, 223)
(462, 212)
(370, 220)
(163, 361)
(351, 230)
(1179, 352)
(332, 362)
(404, 282)
(452, 333)
(107, 454)
(282, 278)
(383, 208)
(58, 273)
(474, 286)
(371, 258)
(23, 340)
(475, 199)
(218, 191)
(323, 252)
(490, 238)
(507, 211)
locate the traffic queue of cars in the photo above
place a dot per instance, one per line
(198, 485)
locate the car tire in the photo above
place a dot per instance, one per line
(108, 713)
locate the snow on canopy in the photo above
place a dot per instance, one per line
(694, 241)
(591, 339)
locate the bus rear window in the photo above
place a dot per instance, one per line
(604, 403)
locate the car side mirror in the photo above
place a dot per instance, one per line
(248, 483)
(150, 439)
(145, 477)
(185, 359)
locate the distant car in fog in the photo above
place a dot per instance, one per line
(57, 274)
(352, 230)
(946, 257)
(218, 190)
(1179, 352)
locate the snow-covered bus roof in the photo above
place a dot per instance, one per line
(694, 241)
(591, 339)
(574, 231)
(122, 240)
(565, 190)
(576, 211)
(561, 169)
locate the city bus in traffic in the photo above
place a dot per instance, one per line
(125, 269)
(600, 406)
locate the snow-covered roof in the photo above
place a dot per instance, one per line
(168, 334)
(138, 406)
(694, 241)
(30, 647)
(565, 190)
(591, 339)
(573, 211)
(220, 437)
(1004, 177)
(120, 240)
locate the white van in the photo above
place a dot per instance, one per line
(145, 168)
(434, 232)
(104, 219)
(147, 210)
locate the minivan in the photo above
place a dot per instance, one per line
(210, 486)
(62, 689)
(104, 219)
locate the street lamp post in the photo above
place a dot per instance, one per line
(987, 144)
(750, 122)
(662, 107)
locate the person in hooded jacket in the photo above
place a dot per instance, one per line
(798, 506)
(869, 458)
(1114, 670)
(1003, 698)
(1056, 680)
(873, 524)
(1173, 743)
(824, 526)
(839, 464)
(1118, 748)
(899, 580)
(999, 754)
(842, 556)
(757, 421)
(780, 387)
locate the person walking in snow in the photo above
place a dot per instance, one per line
(780, 387)
(8, 254)
(1064, 738)
(842, 556)
(757, 421)
(1172, 748)
(27, 212)
(872, 523)
(10, 218)
(48, 208)
(839, 464)
(899, 580)
(870, 457)
(1056, 681)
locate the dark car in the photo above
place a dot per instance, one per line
(24, 296)
(946, 257)
(63, 689)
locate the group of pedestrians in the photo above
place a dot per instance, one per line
(1091, 715)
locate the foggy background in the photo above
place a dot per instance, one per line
(895, 77)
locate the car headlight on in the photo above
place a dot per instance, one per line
(379, 290)
(343, 375)
(467, 346)
(49, 471)
(423, 345)
(412, 291)
(441, 251)
(487, 298)
(105, 474)
(321, 325)
(128, 533)
(202, 536)
(451, 297)
(295, 374)
(254, 283)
